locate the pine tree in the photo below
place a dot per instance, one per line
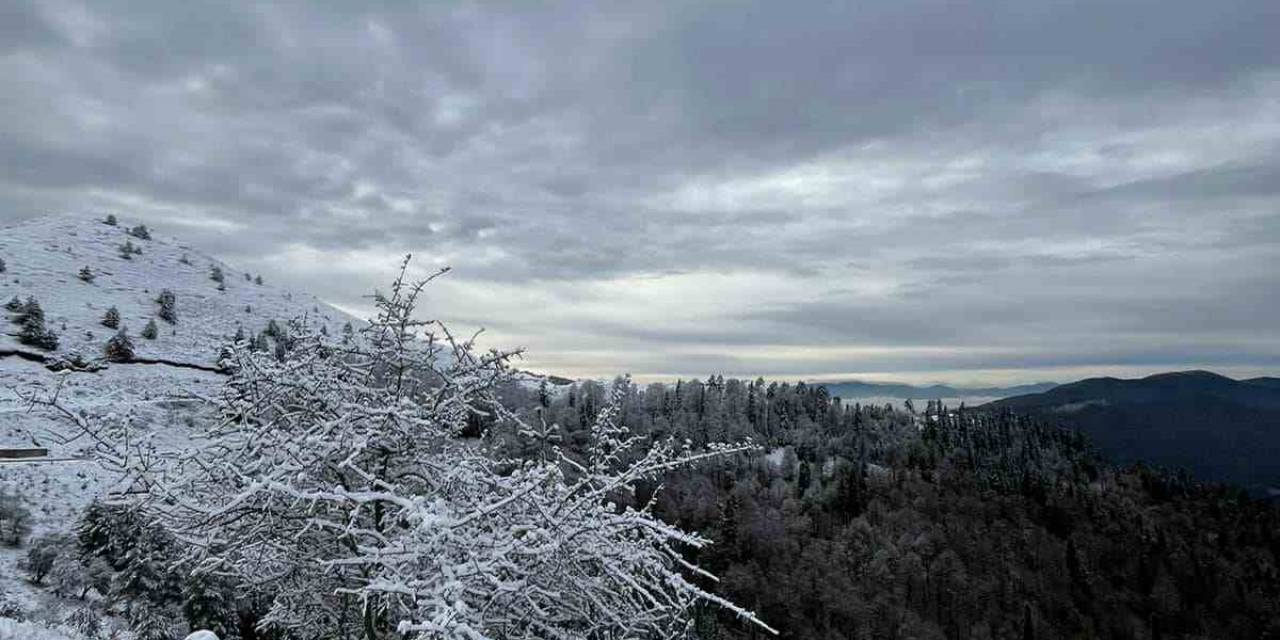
(168, 306)
(151, 331)
(239, 337)
(215, 274)
(208, 603)
(273, 329)
(111, 319)
(149, 622)
(111, 220)
(184, 259)
(127, 250)
(30, 312)
(3, 268)
(13, 304)
(33, 331)
(86, 274)
(140, 232)
(119, 347)
(257, 279)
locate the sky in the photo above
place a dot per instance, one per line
(965, 192)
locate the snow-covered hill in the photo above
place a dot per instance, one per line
(44, 257)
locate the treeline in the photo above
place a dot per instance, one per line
(859, 521)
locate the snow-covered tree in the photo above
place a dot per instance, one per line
(168, 306)
(208, 602)
(86, 621)
(150, 331)
(32, 330)
(119, 347)
(111, 319)
(14, 304)
(215, 274)
(141, 232)
(151, 622)
(127, 250)
(86, 274)
(339, 488)
(3, 267)
(111, 220)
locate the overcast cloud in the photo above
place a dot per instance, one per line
(959, 191)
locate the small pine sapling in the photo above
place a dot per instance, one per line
(111, 319)
(126, 250)
(215, 274)
(151, 331)
(86, 274)
(119, 347)
(111, 220)
(257, 279)
(140, 232)
(168, 306)
(14, 304)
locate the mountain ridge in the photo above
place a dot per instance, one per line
(1218, 428)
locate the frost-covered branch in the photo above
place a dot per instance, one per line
(338, 484)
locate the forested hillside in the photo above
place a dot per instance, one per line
(1214, 427)
(865, 522)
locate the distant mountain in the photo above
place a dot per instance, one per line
(1217, 428)
(858, 389)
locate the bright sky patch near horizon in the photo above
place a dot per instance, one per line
(920, 191)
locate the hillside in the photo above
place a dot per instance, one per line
(1217, 428)
(43, 258)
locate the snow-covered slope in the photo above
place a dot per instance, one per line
(43, 258)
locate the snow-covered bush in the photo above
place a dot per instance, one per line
(337, 488)
(150, 331)
(119, 347)
(43, 552)
(111, 319)
(15, 519)
(168, 306)
(141, 232)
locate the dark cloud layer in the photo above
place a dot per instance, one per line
(912, 189)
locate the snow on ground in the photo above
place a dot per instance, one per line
(163, 401)
(11, 629)
(44, 257)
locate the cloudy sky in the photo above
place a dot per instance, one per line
(893, 189)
